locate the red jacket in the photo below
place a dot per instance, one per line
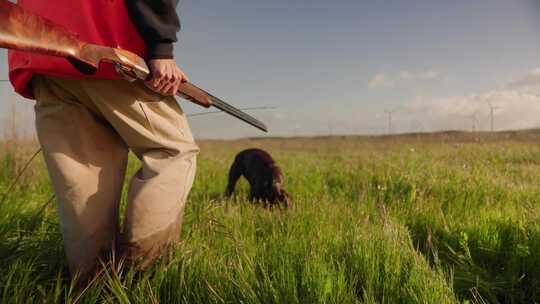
(103, 22)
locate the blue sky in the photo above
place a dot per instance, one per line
(334, 67)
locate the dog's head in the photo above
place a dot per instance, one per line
(279, 195)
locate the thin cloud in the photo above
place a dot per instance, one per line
(381, 81)
(513, 110)
(531, 79)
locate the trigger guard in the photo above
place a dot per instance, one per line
(125, 74)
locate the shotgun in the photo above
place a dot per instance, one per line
(24, 31)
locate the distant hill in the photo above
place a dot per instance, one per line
(528, 135)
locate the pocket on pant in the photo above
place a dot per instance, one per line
(35, 84)
(165, 119)
(149, 126)
(43, 93)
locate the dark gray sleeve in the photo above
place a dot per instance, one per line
(158, 23)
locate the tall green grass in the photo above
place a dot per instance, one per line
(375, 220)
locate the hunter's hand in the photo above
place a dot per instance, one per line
(166, 76)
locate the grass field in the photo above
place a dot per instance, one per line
(440, 218)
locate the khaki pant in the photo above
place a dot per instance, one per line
(86, 129)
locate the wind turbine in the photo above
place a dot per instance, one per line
(492, 109)
(389, 113)
(474, 121)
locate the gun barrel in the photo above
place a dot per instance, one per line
(225, 107)
(205, 99)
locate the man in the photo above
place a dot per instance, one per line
(86, 126)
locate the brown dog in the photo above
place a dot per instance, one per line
(263, 174)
